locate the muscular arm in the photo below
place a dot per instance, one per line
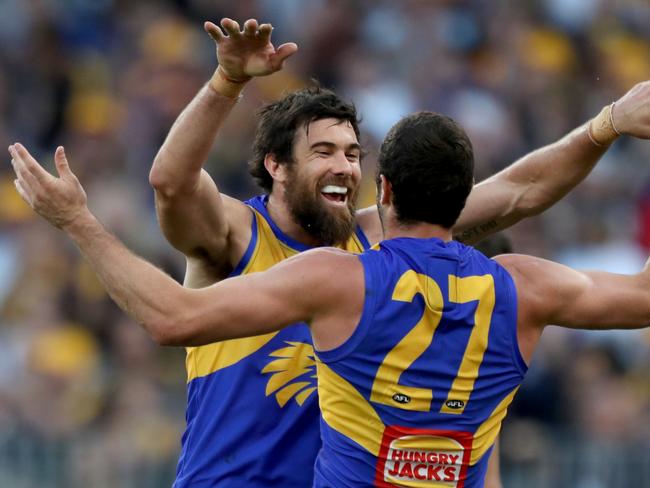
(194, 216)
(527, 187)
(551, 293)
(537, 181)
(323, 285)
(192, 213)
(178, 316)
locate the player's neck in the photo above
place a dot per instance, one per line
(282, 217)
(421, 230)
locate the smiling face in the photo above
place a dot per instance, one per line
(322, 184)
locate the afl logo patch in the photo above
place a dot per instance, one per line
(401, 398)
(455, 404)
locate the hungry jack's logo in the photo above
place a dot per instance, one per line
(293, 373)
(423, 457)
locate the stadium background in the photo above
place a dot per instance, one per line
(87, 400)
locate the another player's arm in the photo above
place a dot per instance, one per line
(173, 315)
(195, 218)
(538, 180)
(323, 287)
(493, 474)
(551, 293)
(315, 284)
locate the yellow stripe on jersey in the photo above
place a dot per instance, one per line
(464, 290)
(386, 385)
(268, 251)
(205, 360)
(488, 431)
(347, 412)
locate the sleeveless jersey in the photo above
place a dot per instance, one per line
(415, 397)
(252, 408)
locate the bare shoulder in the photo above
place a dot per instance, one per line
(531, 275)
(521, 264)
(538, 274)
(535, 281)
(323, 281)
(545, 289)
(368, 220)
(328, 261)
(330, 270)
(533, 284)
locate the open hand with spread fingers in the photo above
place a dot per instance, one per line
(59, 200)
(243, 54)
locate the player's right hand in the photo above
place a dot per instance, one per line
(243, 54)
(59, 200)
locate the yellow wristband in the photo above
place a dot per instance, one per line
(601, 129)
(226, 86)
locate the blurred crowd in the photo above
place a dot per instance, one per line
(82, 388)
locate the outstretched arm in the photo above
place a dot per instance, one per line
(172, 314)
(537, 181)
(551, 293)
(195, 218)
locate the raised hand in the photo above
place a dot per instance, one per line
(59, 200)
(243, 54)
(631, 113)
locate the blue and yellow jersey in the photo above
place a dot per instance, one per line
(415, 397)
(252, 411)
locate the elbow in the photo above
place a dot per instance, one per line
(163, 332)
(169, 330)
(159, 178)
(183, 328)
(169, 183)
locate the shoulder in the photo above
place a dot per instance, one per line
(542, 286)
(368, 220)
(326, 261)
(330, 267)
(527, 272)
(325, 278)
(532, 271)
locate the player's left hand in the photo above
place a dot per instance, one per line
(631, 114)
(59, 200)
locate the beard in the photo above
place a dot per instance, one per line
(331, 226)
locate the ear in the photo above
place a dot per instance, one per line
(385, 191)
(277, 171)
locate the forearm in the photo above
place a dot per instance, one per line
(180, 159)
(529, 186)
(140, 289)
(544, 176)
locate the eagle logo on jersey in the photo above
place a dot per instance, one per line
(295, 361)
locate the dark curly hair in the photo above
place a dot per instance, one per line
(279, 120)
(429, 161)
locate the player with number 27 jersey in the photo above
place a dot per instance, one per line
(423, 383)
